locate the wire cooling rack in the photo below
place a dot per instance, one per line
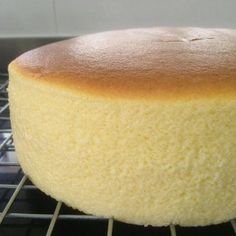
(10, 192)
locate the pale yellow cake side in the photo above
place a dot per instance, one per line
(139, 161)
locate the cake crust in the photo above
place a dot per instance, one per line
(154, 63)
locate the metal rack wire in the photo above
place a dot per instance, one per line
(6, 144)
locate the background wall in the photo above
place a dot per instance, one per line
(74, 17)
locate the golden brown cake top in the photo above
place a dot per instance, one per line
(162, 63)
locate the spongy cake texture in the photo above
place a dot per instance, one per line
(139, 125)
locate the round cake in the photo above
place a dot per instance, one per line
(138, 125)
